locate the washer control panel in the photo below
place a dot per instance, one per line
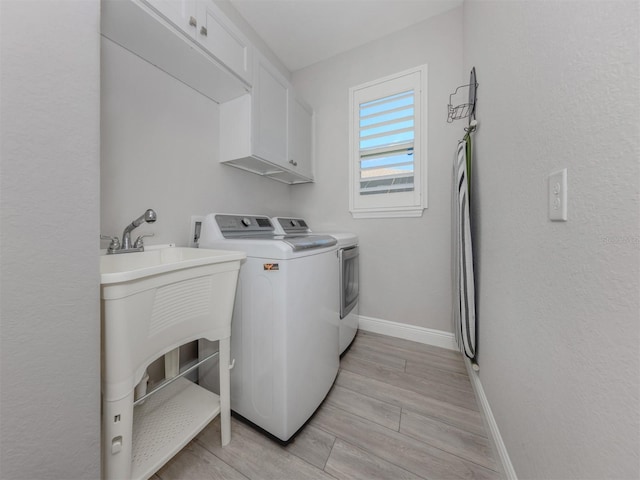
(232, 225)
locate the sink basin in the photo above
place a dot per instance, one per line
(131, 266)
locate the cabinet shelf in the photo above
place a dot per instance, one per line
(166, 422)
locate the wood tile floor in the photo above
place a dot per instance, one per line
(398, 410)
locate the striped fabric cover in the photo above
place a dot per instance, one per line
(464, 311)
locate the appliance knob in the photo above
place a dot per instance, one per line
(246, 221)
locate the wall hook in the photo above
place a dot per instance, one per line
(467, 109)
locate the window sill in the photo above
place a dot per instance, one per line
(387, 213)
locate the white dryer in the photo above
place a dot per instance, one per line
(349, 274)
(284, 336)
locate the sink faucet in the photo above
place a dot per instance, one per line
(149, 216)
(125, 246)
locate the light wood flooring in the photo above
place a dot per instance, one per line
(398, 410)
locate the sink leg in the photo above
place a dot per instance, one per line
(172, 363)
(117, 438)
(225, 391)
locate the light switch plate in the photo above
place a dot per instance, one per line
(558, 195)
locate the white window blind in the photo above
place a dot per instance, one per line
(386, 144)
(386, 135)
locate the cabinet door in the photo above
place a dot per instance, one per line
(223, 40)
(301, 138)
(182, 13)
(269, 115)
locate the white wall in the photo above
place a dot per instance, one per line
(559, 302)
(160, 151)
(49, 279)
(405, 263)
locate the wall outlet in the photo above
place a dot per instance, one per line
(194, 230)
(558, 196)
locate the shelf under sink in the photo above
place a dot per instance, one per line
(166, 422)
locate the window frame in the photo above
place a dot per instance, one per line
(393, 204)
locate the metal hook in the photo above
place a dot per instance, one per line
(473, 126)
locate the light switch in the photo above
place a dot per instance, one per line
(558, 195)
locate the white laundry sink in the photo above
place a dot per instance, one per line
(152, 303)
(158, 300)
(131, 266)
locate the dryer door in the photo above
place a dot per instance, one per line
(349, 279)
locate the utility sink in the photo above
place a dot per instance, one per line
(132, 266)
(152, 303)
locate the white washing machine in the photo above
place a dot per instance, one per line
(284, 333)
(349, 274)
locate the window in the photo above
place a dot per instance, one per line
(388, 145)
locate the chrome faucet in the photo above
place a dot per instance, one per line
(125, 246)
(149, 216)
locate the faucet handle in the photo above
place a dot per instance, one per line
(114, 245)
(139, 243)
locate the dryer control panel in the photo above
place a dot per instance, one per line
(291, 225)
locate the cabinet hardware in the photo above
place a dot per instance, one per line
(203, 31)
(295, 164)
(193, 22)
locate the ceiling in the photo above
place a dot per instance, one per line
(304, 32)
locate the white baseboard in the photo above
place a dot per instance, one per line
(494, 432)
(414, 333)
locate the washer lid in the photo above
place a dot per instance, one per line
(297, 226)
(295, 242)
(306, 242)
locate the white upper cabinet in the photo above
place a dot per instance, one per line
(182, 13)
(264, 127)
(270, 114)
(301, 126)
(205, 23)
(223, 39)
(270, 131)
(167, 33)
